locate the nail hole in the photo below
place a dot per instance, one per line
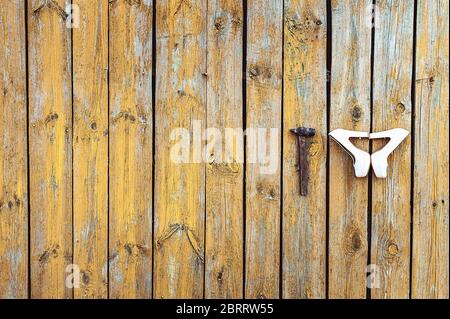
(253, 71)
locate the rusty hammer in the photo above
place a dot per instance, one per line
(303, 165)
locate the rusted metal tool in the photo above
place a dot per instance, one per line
(303, 165)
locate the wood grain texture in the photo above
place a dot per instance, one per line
(13, 153)
(180, 187)
(90, 148)
(304, 218)
(263, 188)
(130, 144)
(349, 109)
(430, 268)
(392, 76)
(77, 166)
(50, 129)
(224, 176)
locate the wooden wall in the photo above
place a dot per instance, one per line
(88, 186)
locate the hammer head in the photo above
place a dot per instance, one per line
(304, 131)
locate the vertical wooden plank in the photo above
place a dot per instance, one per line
(430, 268)
(304, 218)
(349, 109)
(263, 189)
(90, 148)
(224, 178)
(50, 129)
(13, 154)
(130, 163)
(179, 187)
(392, 75)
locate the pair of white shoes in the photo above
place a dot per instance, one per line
(362, 159)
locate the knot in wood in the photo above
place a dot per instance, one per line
(400, 108)
(392, 249)
(219, 23)
(353, 243)
(356, 113)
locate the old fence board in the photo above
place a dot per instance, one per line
(430, 268)
(130, 149)
(13, 154)
(224, 175)
(349, 109)
(180, 188)
(392, 75)
(263, 189)
(50, 134)
(304, 218)
(90, 149)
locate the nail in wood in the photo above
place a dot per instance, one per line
(303, 164)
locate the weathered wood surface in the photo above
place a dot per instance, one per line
(79, 180)
(181, 33)
(304, 218)
(13, 153)
(50, 140)
(263, 189)
(90, 149)
(392, 76)
(430, 267)
(130, 149)
(224, 173)
(349, 109)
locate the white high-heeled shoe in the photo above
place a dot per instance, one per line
(379, 158)
(361, 159)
